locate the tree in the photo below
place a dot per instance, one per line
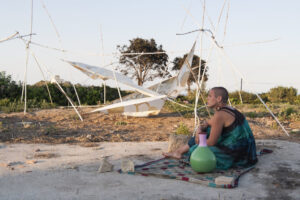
(143, 67)
(178, 61)
(9, 88)
(282, 94)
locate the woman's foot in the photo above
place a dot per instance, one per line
(174, 154)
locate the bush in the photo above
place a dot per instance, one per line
(286, 113)
(182, 130)
(247, 97)
(38, 97)
(4, 102)
(297, 101)
(120, 123)
(282, 95)
(256, 114)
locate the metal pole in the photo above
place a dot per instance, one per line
(104, 93)
(241, 91)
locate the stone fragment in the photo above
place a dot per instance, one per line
(14, 163)
(127, 166)
(89, 136)
(105, 166)
(31, 161)
(4, 165)
(37, 150)
(224, 180)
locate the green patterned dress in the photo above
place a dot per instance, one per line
(236, 145)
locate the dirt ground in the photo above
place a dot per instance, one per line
(62, 125)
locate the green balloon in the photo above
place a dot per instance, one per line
(203, 159)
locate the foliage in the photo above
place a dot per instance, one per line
(8, 88)
(288, 113)
(255, 114)
(297, 101)
(182, 129)
(247, 98)
(178, 62)
(38, 97)
(143, 67)
(120, 123)
(283, 94)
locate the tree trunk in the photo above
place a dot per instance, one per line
(140, 82)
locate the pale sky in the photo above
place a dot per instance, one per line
(80, 24)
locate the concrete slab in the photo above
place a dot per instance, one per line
(73, 174)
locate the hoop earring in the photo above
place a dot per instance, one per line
(219, 107)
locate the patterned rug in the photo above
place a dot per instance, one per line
(181, 170)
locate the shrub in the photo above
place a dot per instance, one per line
(246, 97)
(297, 101)
(282, 94)
(120, 123)
(38, 97)
(287, 113)
(182, 129)
(4, 102)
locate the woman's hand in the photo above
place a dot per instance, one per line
(203, 126)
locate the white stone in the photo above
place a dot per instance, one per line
(224, 180)
(105, 166)
(127, 166)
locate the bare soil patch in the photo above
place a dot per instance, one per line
(56, 126)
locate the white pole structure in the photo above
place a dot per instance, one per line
(24, 88)
(60, 42)
(9, 37)
(135, 53)
(212, 37)
(39, 66)
(76, 95)
(117, 85)
(210, 50)
(61, 89)
(231, 64)
(104, 85)
(197, 120)
(42, 75)
(240, 93)
(198, 91)
(226, 21)
(69, 99)
(102, 46)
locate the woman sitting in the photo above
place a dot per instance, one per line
(229, 135)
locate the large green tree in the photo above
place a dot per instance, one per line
(145, 67)
(178, 61)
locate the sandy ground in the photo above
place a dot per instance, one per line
(58, 126)
(65, 171)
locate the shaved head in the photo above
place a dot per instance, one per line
(221, 92)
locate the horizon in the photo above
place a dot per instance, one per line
(184, 93)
